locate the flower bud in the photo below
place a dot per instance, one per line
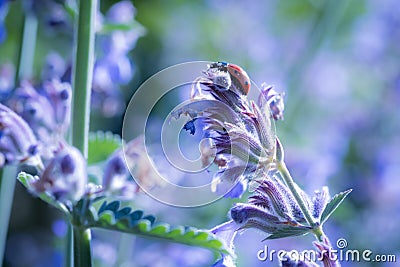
(272, 100)
(326, 253)
(60, 98)
(247, 216)
(17, 141)
(319, 202)
(34, 108)
(64, 177)
(115, 172)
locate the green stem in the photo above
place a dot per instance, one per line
(293, 188)
(8, 176)
(69, 256)
(82, 252)
(319, 234)
(82, 74)
(26, 53)
(82, 83)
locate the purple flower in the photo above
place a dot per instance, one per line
(272, 101)
(47, 111)
(273, 208)
(17, 141)
(319, 201)
(329, 258)
(116, 176)
(241, 133)
(64, 177)
(60, 96)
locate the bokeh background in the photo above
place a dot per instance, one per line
(338, 63)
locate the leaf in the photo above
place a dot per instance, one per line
(112, 216)
(333, 204)
(26, 179)
(102, 145)
(288, 231)
(108, 28)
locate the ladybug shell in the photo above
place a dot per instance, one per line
(239, 74)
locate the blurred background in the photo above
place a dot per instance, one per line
(338, 63)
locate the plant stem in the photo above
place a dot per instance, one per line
(8, 174)
(26, 53)
(82, 81)
(82, 252)
(82, 74)
(69, 256)
(319, 234)
(7, 183)
(293, 188)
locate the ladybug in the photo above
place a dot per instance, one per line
(239, 76)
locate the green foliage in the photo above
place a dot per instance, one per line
(288, 231)
(107, 28)
(102, 145)
(333, 204)
(123, 219)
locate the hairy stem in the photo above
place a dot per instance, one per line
(319, 234)
(292, 187)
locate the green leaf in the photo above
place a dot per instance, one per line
(333, 204)
(112, 216)
(107, 27)
(26, 179)
(288, 231)
(102, 145)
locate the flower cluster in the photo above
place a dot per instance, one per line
(46, 110)
(241, 141)
(27, 138)
(240, 132)
(35, 117)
